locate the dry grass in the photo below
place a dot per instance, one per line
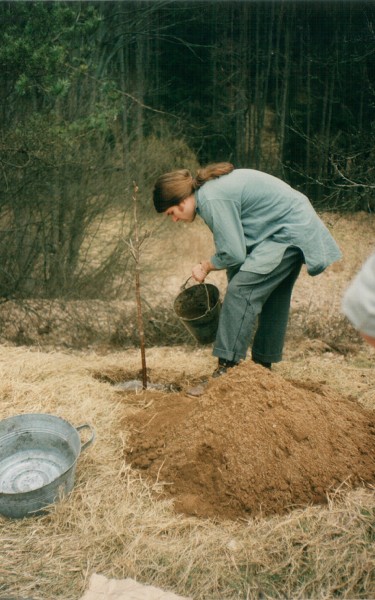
(167, 257)
(113, 524)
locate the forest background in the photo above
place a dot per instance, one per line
(97, 96)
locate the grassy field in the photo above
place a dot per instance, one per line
(117, 522)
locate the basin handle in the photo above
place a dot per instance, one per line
(90, 441)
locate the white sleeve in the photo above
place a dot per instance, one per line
(358, 302)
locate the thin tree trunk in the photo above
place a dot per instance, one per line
(261, 103)
(308, 105)
(285, 90)
(124, 73)
(136, 256)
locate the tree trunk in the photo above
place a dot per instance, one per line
(285, 90)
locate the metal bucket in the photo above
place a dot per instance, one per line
(38, 456)
(198, 308)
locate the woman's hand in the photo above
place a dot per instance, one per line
(199, 273)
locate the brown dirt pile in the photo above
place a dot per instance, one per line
(253, 444)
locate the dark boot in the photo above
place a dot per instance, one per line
(223, 367)
(266, 365)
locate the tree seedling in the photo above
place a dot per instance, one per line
(135, 251)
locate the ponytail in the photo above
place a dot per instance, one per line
(172, 188)
(212, 171)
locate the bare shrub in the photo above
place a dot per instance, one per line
(89, 323)
(334, 330)
(162, 328)
(59, 191)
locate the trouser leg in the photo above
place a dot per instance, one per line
(268, 342)
(246, 295)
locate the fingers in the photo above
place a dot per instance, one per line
(199, 273)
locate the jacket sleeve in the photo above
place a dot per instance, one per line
(224, 220)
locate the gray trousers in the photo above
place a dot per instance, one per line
(257, 299)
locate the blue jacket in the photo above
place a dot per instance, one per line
(254, 217)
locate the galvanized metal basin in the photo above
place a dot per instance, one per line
(38, 457)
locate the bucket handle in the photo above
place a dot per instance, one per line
(90, 441)
(207, 294)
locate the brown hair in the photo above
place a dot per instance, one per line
(172, 188)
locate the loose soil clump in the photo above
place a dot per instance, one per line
(253, 445)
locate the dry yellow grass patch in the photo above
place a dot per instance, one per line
(112, 522)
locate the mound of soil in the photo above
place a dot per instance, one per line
(253, 444)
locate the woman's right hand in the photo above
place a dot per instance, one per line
(199, 273)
